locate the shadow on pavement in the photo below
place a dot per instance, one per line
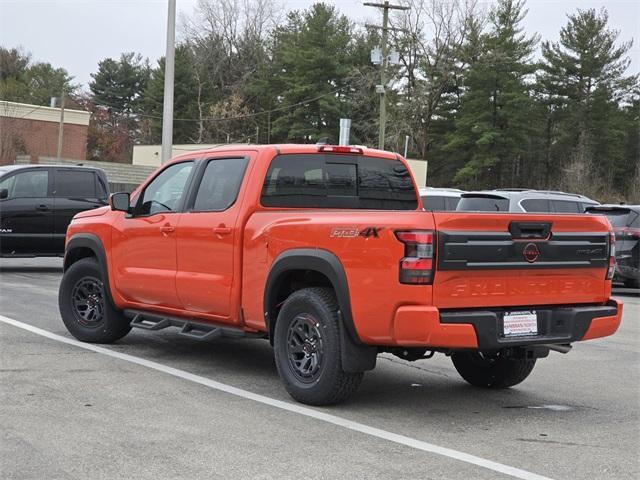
(29, 268)
(425, 392)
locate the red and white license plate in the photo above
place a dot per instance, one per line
(519, 324)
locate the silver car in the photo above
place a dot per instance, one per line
(523, 200)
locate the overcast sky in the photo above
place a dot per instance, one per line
(76, 34)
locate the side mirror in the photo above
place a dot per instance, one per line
(120, 202)
(4, 193)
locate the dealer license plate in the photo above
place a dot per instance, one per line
(519, 324)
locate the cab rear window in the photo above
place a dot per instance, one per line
(338, 181)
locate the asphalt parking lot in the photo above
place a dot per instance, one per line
(157, 408)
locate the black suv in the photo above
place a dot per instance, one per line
(625, 220)
(37, 202)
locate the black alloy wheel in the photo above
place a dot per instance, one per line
(87, 299)
(305, 348)
(85, 307)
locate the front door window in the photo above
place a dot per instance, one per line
(165, 193)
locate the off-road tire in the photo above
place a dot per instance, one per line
(107, 324)
(491, 371)
(316, 310)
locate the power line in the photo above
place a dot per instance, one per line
(239, 117)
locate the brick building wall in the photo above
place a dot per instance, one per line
(33, 130)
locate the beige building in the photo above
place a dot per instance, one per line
(150, 154)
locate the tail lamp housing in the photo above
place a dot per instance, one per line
(416, 267)
(612, 256)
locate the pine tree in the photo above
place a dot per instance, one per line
(583, 78)
(493, 122)
(36, 83)
(118, 84)
(116, 96)
(185, 99)
(311, 58)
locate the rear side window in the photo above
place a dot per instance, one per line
(451, 203)
(75, 183)
(338, 181)
(220, 184)
(618, 219)
(566, 206)
(483, 204)
(536, 205)
(433, 203)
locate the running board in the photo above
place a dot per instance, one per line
(188, 328)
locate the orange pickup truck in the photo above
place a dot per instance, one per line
(326, 251)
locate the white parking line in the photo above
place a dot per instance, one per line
(290, 407)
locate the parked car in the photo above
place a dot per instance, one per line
(37, 203)
(439, 199)
(625, 220)
(324, 250)
(523, 200)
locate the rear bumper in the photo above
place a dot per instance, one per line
(482, 329)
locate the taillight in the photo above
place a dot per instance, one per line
(612, 256)
(416, 267)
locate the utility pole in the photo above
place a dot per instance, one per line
(383, 65)
(167, 110)
(61, 127)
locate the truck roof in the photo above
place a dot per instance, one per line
(290, 148)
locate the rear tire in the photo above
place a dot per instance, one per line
(307, 349)
(491, 371)
(632, 283)
(85, 307)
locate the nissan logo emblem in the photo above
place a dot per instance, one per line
(531, 252)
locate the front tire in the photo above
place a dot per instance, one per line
(491, 371)
(86, 310)
(307, 349)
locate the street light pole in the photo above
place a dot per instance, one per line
(169, 62)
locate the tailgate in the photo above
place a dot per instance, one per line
(496, 260)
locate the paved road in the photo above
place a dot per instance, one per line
(68, 413)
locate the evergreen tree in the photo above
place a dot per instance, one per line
(311, 58)
(22, 81)
(116, 92)
(185, 98)
(119, 84)
(583, 79)
(493, 122)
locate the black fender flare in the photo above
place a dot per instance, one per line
(93, 243)
(356, 355)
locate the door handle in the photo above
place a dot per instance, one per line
(42, 208)
(167, 229)
(222, 230)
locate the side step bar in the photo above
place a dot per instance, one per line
(188, 328)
